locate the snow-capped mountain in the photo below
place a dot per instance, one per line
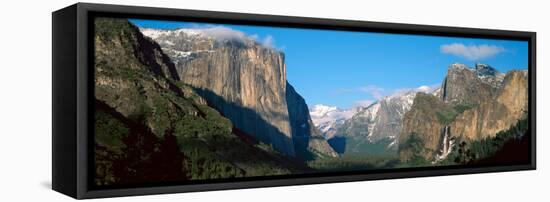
(328, 118)
(378, 123)
(381, 120)
(485, 73)
(489, 75)
(216, 33)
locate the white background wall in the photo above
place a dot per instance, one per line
(25, 102)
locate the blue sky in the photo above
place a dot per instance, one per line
(346, 69)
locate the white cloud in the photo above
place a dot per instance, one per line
(268, 41)
(378, 93)
(374, 91)
(222, 33)
(424, 88)
(472, 52)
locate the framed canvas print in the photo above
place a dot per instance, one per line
(155, 100)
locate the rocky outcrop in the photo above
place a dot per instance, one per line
(464, 85)
(243, 79)
(473, 104)
(131, 76)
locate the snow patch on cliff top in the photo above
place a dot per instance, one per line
(218, 33)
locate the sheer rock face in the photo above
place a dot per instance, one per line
(248, 86)
(477, 102)
(498, 113)
(244, 80)
(467, 86)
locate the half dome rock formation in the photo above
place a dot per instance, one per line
(244, 80)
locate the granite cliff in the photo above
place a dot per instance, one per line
(246, 82)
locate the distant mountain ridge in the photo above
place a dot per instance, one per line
(380, 120)
(377, 123)
(328, 118)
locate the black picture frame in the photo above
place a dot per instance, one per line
(72, 135)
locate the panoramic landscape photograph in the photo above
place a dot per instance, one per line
(189, 102)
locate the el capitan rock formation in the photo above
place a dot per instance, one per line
(151, 128)
(245, 81)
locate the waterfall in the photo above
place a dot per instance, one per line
(445, 140)
(446, 145)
